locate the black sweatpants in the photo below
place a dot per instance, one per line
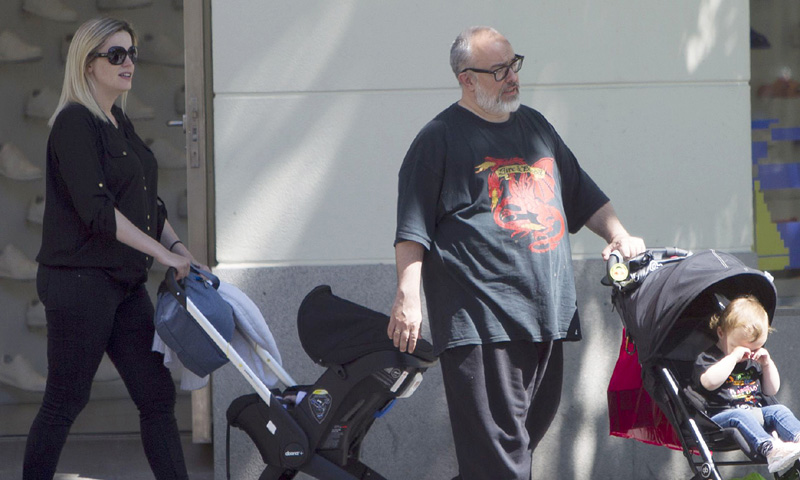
(88, 314)
(502, 398)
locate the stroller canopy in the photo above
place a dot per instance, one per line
(650, 311)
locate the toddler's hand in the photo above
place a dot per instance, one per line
(741, 354)
(761, 356)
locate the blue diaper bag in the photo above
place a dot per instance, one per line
(181, 332)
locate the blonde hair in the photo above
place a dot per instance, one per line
(743, 312)
(85, 44)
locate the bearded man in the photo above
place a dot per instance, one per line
(487, 191)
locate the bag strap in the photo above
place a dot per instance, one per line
(210, 276)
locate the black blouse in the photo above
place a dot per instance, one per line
(93, 168)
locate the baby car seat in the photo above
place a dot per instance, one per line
(319, 428)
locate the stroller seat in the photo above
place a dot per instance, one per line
(717, 438)
(679, 354)
(320, 427)
(720, 439)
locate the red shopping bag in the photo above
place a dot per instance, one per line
(631, 411)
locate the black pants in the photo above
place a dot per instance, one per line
(88, 314)
(502, 398)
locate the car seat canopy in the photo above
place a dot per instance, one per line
(335, 331)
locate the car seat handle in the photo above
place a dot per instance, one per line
(174, 287)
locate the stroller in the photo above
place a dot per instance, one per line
(665, 298)
(318, 429)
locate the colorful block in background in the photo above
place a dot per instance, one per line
(777, 239)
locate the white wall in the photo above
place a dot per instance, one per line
(316, 103)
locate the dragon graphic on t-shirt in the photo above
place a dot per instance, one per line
(524, 200)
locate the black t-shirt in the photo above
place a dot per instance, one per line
(493, 204)
(92, 168)
(741, 388)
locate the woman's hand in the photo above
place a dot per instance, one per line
(200, 266)
(179, 262)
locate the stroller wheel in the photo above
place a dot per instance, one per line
(706, 470)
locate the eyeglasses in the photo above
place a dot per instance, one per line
(500, 73)
(117, 55)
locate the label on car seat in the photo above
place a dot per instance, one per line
(335, 437)
(320, 404)
(388, 376)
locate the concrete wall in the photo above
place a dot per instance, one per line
(316, 103)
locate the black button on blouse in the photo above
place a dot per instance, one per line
(93, 168)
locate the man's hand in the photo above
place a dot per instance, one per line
(604, 222)
(406, 316)
(627, 245)
(405, 322)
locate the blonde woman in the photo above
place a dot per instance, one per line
(737, 373)
(103, 228)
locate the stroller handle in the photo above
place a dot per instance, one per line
(618, 270)
(669, 252)
(174, 287)
(664, 253)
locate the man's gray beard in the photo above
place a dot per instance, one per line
(495, 106)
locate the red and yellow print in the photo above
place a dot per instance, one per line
(523, 200)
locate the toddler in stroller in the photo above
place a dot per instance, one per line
(666, 298)
(736, 375)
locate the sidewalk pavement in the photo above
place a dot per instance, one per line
(105, 457)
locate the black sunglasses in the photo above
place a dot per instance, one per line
(117, 55)
(500, 73)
